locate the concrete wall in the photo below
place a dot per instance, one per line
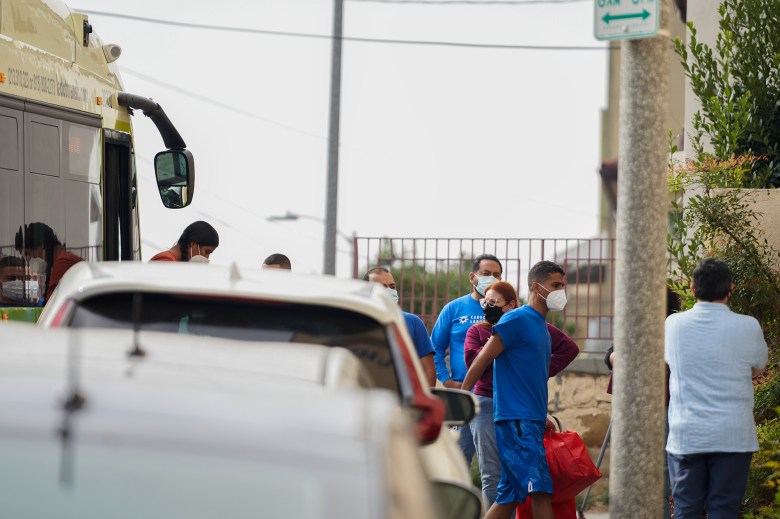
(767, 203)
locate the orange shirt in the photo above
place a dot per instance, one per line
(164, 256)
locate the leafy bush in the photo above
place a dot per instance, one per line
(738, 86)
(762, 497)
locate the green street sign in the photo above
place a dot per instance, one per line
(625, 19)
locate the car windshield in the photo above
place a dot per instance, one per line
(246, 320)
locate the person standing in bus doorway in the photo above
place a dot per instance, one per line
(420, 338)
(449, 333)
(521, 348)
(46, 256)
(196, 244)
(277, 261)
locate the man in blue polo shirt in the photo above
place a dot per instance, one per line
(420, 338)
(520, 347)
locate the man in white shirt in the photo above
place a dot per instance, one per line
(713, 354)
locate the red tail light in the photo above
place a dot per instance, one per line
(429, 407)
(62, 314)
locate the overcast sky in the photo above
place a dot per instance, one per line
(436, 141)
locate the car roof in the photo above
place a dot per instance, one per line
(308, 364)
(86, 279)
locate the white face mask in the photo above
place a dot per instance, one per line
(483, 282)
(20, 291)
(556, 300)
(393, 293)
(199, 258)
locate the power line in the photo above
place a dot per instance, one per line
(475, 2)
(345, 38)
(214, 102)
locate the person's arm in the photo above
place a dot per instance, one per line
(761, 352)
(563, 350)
(609, 357)
(440, 338)
(493, 348)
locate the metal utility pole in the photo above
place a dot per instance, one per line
(332, 185)
(636, 466)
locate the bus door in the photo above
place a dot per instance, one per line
(119, 190)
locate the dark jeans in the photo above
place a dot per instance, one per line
(716, 479)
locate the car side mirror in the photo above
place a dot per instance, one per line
(460, 407)
(175, 172)
(457, 500)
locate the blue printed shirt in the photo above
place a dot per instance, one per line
(450, 329)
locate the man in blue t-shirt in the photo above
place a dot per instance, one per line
(449, 333)
(422, 343)
(520, 347)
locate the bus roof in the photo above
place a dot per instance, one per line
(49, 54)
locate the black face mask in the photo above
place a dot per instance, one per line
(493, 314)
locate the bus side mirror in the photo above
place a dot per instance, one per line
(175, 172)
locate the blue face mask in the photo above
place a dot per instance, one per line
(393, 293)
(483, 282)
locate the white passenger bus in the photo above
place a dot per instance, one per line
(67, 166)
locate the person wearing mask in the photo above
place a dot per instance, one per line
(46, 256)
(17, 285)
(449, 333)
(713, 355)
(422, 342)
(196, 244)
(520, 346)
(277, 261)
(500, 298)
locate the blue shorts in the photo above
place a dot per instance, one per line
(524, 467)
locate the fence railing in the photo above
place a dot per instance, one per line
(430, 272)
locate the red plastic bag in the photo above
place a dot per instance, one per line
(571, 468)
(563, 510)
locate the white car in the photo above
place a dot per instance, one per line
(99, 423)
(272, 306)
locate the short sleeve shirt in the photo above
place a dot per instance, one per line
(420, 338)
(520, 371)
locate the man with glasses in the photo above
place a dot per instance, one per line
(449, 332)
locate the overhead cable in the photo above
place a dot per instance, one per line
(347, 38)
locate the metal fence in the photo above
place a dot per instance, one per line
(430, 272)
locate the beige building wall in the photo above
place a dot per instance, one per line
(766, 202)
